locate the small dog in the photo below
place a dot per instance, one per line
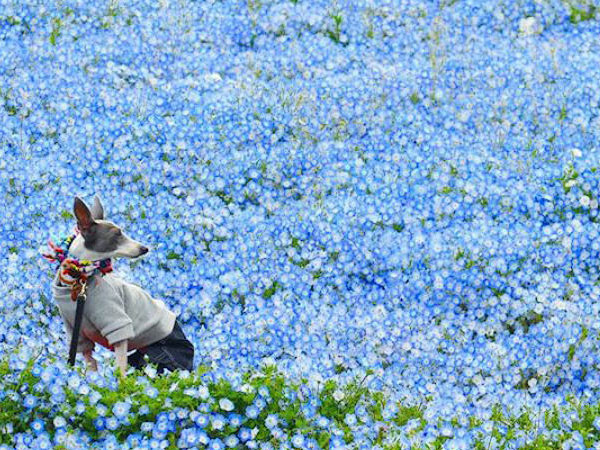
(118, 315)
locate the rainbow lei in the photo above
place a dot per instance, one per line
(71, 270)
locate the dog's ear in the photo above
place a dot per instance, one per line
(83, 216)
(97, 209)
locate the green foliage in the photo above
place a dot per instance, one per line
(397, 227)
(581, 14)
(224, 197)
(66, 215)
(335, 33)
(296, 243)
(56, 25)
(563, 113)
(269, 292)
(173, 255)
(283, 400)
(569, 175)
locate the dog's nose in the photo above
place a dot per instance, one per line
(143, 250)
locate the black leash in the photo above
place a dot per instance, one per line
(77, 325)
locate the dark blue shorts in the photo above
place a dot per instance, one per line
(172, 352)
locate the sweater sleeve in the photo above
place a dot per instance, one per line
(109, 314)
(83, 343)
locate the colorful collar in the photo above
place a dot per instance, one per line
(72, 269)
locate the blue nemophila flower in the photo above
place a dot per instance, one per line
(100, 423)
(188, 438)
(43, 442)
(235, 420)
(38, 426)
(298, 440)
(231, 441)
(263, 391)
(134, 439)
(326, 206)
(218, 422)
(252, 412)
(201, 420)
(245, 434)
(94, 396)
(59, 422)
(80, 408)
(350, 419)
(121, 409)
(101, 409)
(260, 403)
(151, 391)
(30, 401)
(112, 423)
(216, 444)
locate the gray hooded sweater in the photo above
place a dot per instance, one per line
(114, 310)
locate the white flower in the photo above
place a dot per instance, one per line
(271, 421)
(571, 183)
(338, 395)
(203, 392)
(150, 371)
(529, 26)
(247, 388)
(212, 78)
(59, 421)
(226, 405)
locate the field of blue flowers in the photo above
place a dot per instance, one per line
(376, 220)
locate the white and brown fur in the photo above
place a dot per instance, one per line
(100, 239)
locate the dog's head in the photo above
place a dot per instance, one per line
(99, 238)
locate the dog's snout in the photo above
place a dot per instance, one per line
(143, 250)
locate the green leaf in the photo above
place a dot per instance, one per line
(56, 25)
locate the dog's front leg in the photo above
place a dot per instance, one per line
(91, 362)
(121, 356)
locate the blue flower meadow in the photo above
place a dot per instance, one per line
(377, 221)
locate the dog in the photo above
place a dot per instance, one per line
(118, 315)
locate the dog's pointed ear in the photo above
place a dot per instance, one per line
(83, 216)
(97, 209)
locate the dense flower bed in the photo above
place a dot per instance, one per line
(329, 188)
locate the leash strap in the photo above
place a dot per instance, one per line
(78, 318)
(75, 273)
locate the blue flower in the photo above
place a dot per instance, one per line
(298, 440)
(252, 412)
(37, 426)
(99, 423)
(30, 401)
(216, 444)
(231, 441)
(121, 409)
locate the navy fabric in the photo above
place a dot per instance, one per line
(172, 352)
